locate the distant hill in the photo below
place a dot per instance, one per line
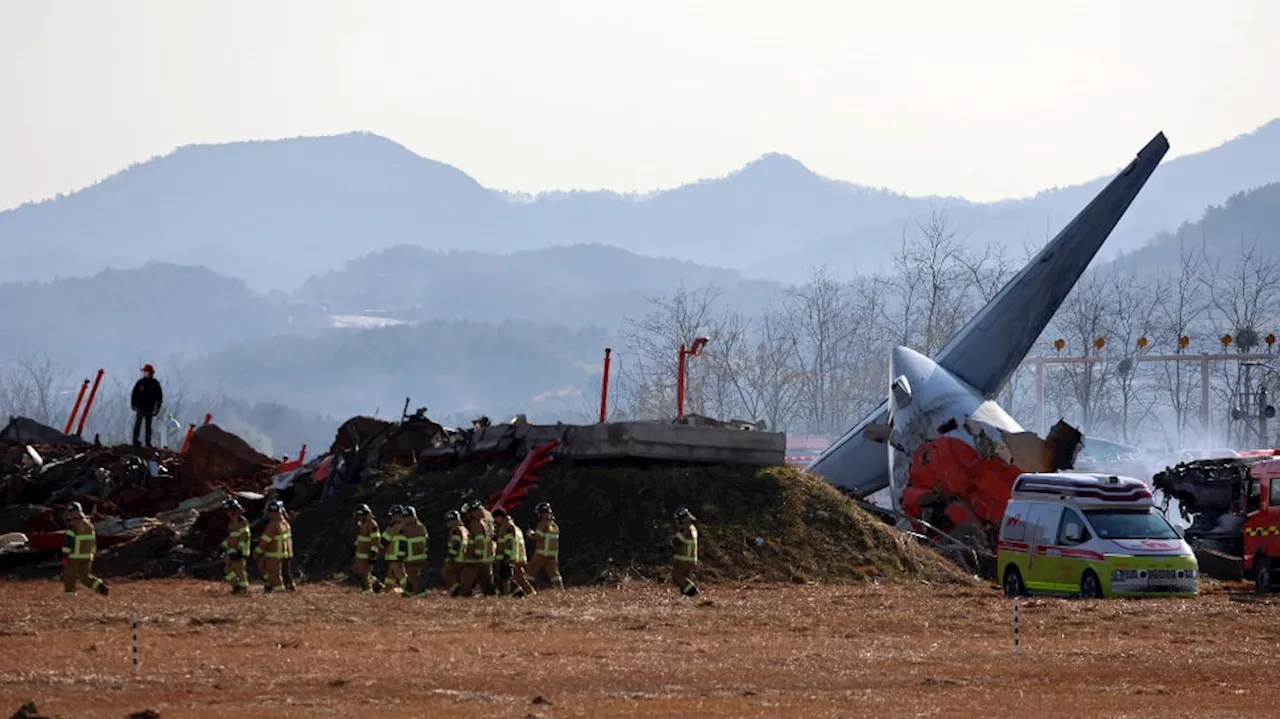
(277, 212)
(449, 367)
(123, 317)
(576, 286)
(1245, 217)
(1177, 193)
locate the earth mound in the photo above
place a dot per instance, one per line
(762, 524)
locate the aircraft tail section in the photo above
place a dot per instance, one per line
(987, 350)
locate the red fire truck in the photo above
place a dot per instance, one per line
(1234, 508)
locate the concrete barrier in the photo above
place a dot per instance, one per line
(675, 442)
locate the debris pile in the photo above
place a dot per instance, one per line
(156, 512)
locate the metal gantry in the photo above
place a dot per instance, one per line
(1183, 342)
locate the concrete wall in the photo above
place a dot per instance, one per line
(674, 442)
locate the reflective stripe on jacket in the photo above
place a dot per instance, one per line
(548, 540)
(237, 536)
(458, 542)
(687, 546)
(80, 546)
(370, 537)
(415, 542)
(287, 543)
(271, 543)
(395, 550)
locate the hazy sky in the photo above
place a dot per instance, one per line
(982, 99)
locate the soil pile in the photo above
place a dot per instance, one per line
(770, 524)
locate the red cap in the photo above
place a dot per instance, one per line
(148, 369)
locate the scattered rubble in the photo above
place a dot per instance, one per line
(156, 512)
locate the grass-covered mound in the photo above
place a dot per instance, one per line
(617, 521)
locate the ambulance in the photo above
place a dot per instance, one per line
(1091, 535)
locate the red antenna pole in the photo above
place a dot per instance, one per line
(604, 387)
(208, 417)
(89, 404)
(680, 383)
(76, 409)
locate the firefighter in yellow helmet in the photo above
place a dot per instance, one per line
(546, 547)
(511, 557)
(415, 552)
(455, 552)
(236, 548)
(393, 549)
(368, 542)
(78, 548)
(685, 543)
(478, 566)
(271, 547)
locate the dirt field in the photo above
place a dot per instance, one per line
(736, 651)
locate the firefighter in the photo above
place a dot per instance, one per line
(415, 552)
(271, 547)
(368, 541)
(685, 543)
(236, 548)
(511, 557)
(78, 548)
(478, 565)
(546, 542)
(456, 552)
(393, 549)
(286, 562)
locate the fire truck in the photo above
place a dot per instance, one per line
(1233, 505)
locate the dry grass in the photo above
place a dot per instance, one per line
(737, 651)
(617, 520)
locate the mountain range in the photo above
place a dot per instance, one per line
(275, 213)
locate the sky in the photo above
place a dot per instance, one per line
(982, 99)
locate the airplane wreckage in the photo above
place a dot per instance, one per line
(940, 449)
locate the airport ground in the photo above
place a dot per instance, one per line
(738, 650)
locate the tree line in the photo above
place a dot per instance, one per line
(816, 360)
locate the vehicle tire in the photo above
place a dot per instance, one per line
(1262, 576)
(1090, 586)
(1013, 586)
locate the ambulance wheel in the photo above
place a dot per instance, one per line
(1013, 586)
(1090, 586)
(1262, 577)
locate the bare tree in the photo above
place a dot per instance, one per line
(1180, 307)
(1085, 316)
(652, 344)
(826, 322)
(933, 284)
(1133, 317)
(768, 378)
(1244, 298)
(36, 388)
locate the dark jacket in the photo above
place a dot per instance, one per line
(147, 396)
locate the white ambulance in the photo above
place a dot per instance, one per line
(1093, 535)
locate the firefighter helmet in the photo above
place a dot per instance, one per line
(543, 508)
(363, 510)
(232, 505)
(75, 508)
(395, 511)
(452, 515)
(409, 511)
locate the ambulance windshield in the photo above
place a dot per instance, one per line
(1130, 524)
